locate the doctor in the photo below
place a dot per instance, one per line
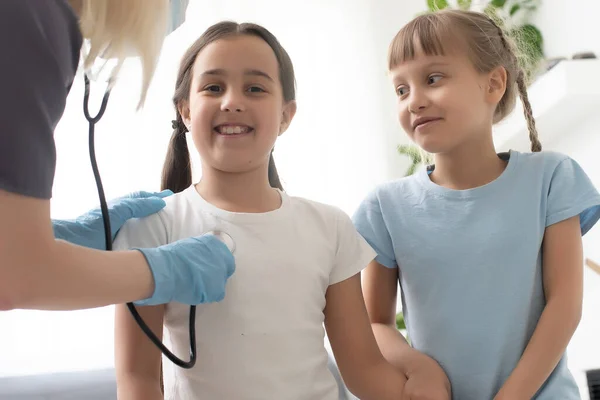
(40, 44)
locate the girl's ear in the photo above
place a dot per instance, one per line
(289, 110)
(184, 111)
(496, 84)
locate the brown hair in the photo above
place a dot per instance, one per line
(488, 47)
(177, 170)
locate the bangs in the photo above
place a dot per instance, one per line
(428, 33)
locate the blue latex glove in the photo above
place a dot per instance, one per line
(189, 271)
(88, 229)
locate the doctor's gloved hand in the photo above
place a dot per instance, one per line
(190, 271)
(88, 229)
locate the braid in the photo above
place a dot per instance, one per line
(536, 145)
(503, 40)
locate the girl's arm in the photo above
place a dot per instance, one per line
(426, 379)
(380, 288)
(364, 370)
(137, 360)
(563, 287)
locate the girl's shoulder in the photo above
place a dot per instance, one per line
(546, 166)
(301, 207)
(546, 159)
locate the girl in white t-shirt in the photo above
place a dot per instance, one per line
(298, 262)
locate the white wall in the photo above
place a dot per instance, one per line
(569, 26)
(387, 17)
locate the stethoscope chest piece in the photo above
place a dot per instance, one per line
(225, 238)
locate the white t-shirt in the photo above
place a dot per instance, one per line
(265, 340)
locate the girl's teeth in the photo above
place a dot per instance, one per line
(230, 130)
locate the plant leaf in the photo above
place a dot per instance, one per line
(531, 41)
(435, 5)
(415, 155)
(464, 4)
(411, 170)
(514, 9)
(400, 324)
(412, 152)
(491, 12)
(531, 49)
(498, 3)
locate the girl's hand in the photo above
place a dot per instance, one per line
(505, 394)
(426, 380)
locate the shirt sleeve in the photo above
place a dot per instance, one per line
(572, 193)
(370, 223)
(148, 232)
(353, 253)
(40, 43)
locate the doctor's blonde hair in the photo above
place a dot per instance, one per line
(123, 28)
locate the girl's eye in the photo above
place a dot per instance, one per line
(433, 79)
(401, 90)
(256, 89)
(213, 88)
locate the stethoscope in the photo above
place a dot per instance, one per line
(224, 237)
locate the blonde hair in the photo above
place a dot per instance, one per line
(488, 47)
(122, 28)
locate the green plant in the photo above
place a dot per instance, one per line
(416, 155)
(400, 322)
(437, 4)
(514, 16)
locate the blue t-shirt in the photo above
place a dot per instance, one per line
(470, 264)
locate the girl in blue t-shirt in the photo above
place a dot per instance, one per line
(487, 247)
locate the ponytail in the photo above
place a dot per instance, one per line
(274, 180)
(177, 169)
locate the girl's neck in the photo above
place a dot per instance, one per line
(471, 165)
(248, 192)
